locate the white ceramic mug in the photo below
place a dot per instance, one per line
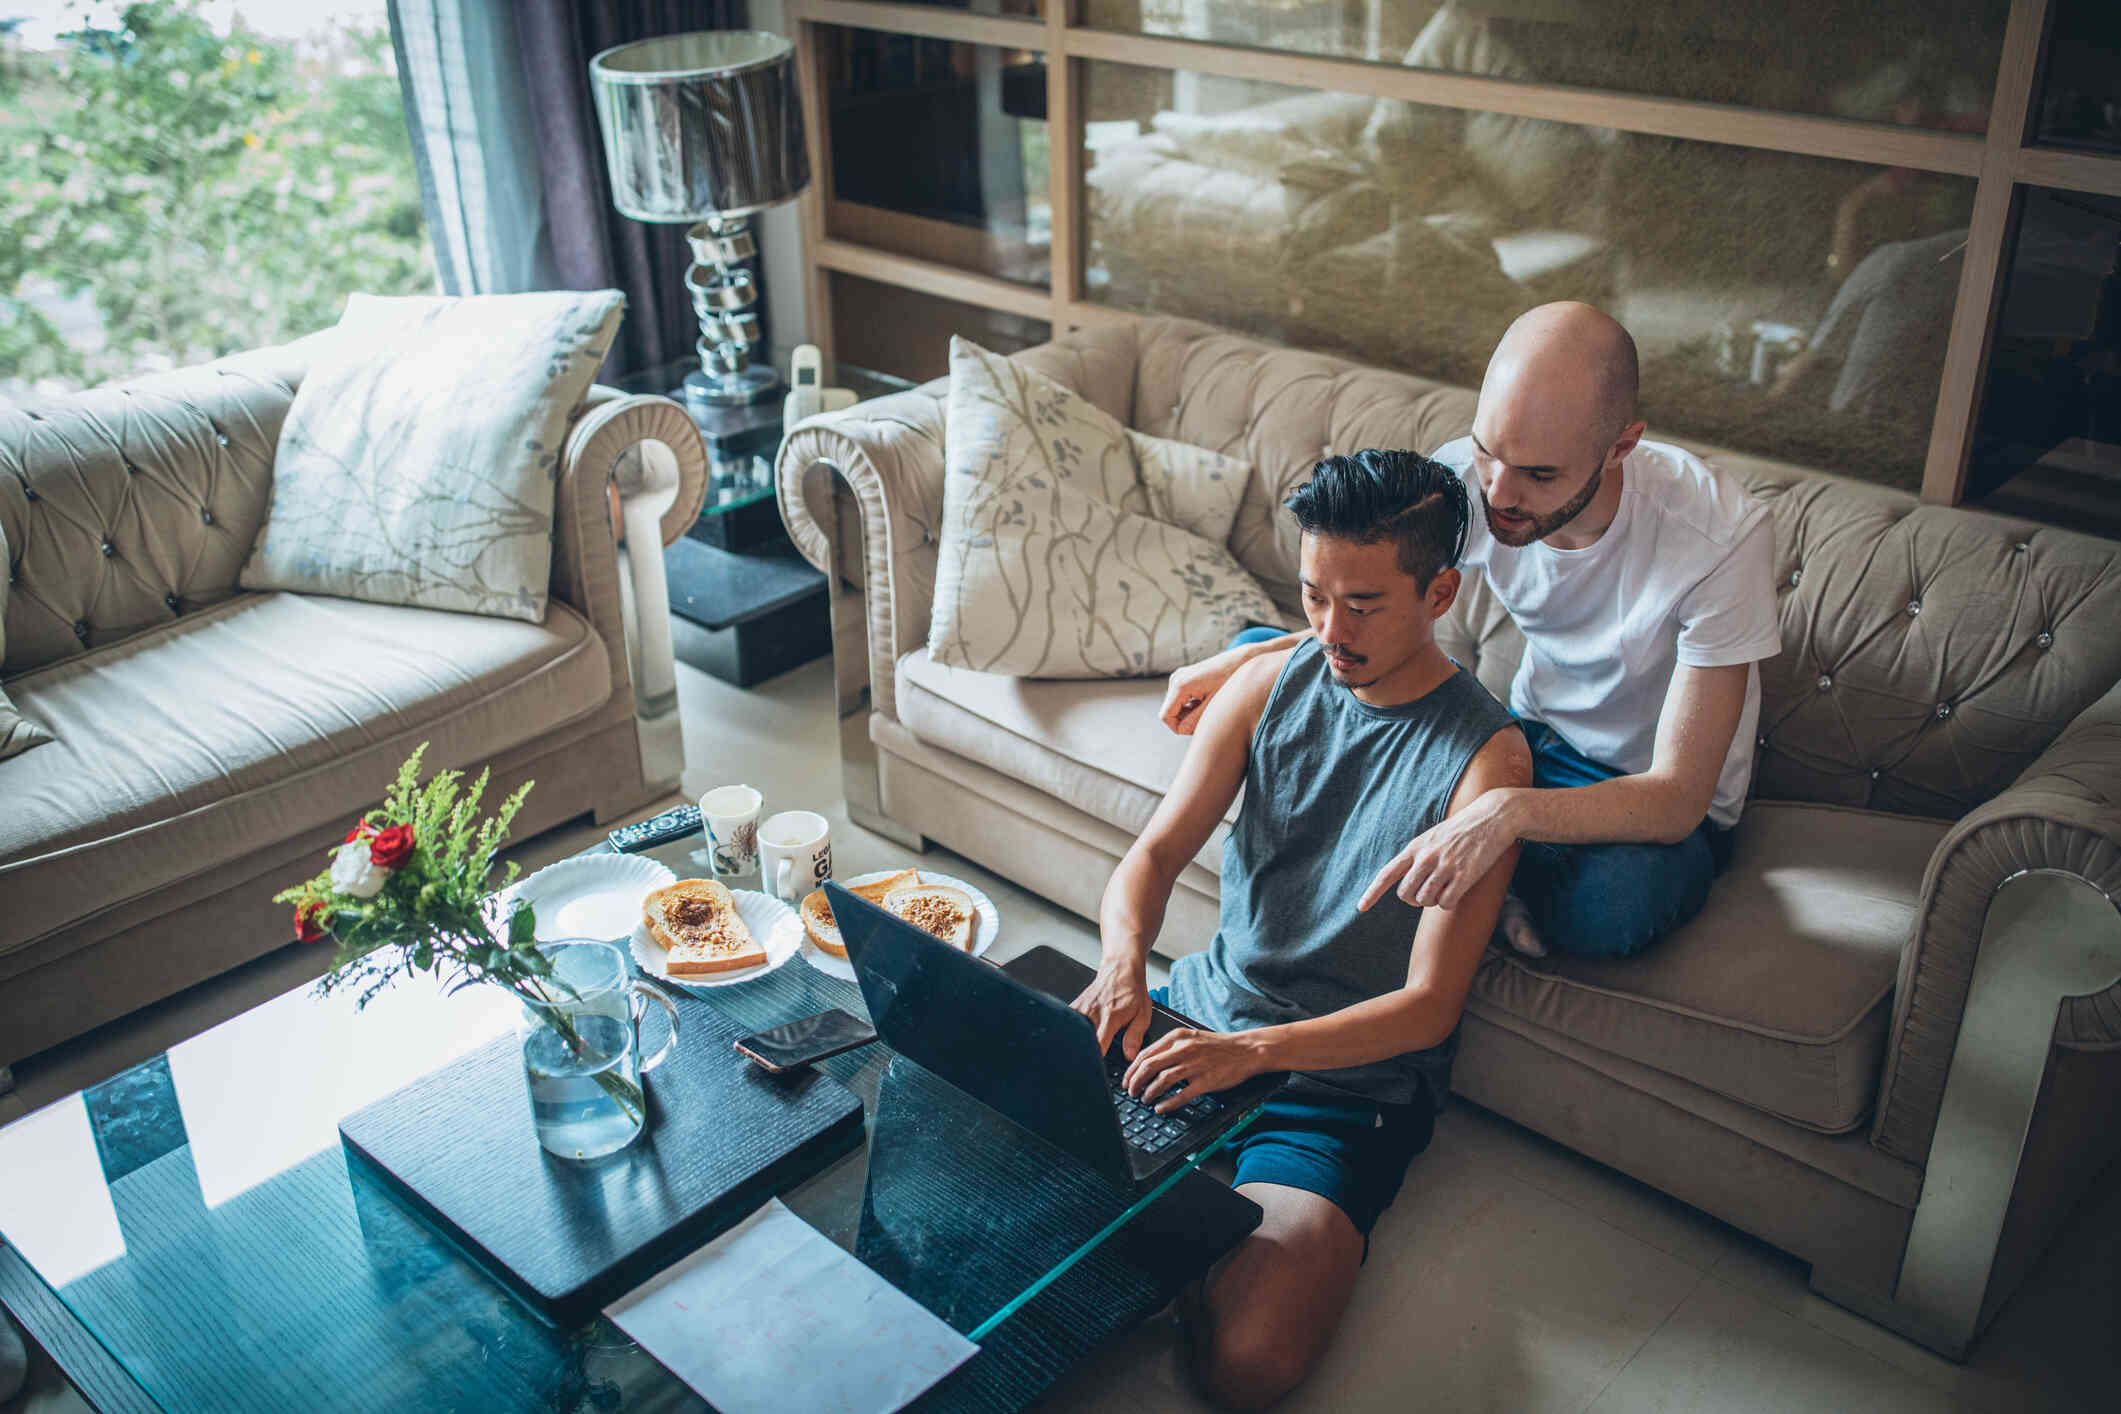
(795, 847)
(729, 815)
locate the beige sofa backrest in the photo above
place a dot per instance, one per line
(1929, 654)
(128, 505)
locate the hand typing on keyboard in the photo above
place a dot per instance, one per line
(1185, 1065)
(1144, 1127)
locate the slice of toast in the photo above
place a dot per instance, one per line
(824, 930)
(938, 908)
(877, 890)
(820, 925)
(696, 923)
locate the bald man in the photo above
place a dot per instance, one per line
(1642, 581)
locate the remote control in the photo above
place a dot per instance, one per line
(672, 824)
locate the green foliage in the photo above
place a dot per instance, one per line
(212, 192)
(433, 911)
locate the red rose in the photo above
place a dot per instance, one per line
(306, 926)
(391, 847)
(361, 831)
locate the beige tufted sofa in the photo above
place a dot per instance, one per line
(1906, 979)
(212, 743)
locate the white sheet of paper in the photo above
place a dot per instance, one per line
(770, 1316)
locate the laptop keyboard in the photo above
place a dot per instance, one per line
(1143, 1127)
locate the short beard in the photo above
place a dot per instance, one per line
(1543, 526)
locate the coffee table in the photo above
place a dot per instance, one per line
(190, 1235)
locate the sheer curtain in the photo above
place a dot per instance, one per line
(512, 166)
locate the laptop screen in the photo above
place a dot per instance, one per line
(1011, 1048)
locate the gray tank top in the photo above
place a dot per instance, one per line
(1333, 788)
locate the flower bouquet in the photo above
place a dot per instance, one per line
(408, 891)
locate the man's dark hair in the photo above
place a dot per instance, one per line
(1388, 495)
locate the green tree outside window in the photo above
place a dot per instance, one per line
(209, 192)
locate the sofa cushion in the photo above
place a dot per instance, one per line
(1094, 744)
(1053, 563)
(418, 461)
(1778, 994)
(253, 721)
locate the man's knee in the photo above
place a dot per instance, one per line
(1613, 900)
(1264, 1317)
(1250, 1362)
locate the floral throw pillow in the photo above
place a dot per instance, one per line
(418, 460)
(1072, 548)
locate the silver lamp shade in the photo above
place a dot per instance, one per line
(707, 128)
(699, 125)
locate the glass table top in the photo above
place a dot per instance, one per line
(198, 1216)
(742, 441)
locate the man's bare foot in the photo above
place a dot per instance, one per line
(1514, 928)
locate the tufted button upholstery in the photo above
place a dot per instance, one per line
(1910, 606)
(117, 500)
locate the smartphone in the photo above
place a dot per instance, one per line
(813, 1038)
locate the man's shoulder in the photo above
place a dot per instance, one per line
(1690, 498)
(1456, 454)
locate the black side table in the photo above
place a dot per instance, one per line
(745, 606)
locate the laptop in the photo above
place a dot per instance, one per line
(1008, 1038)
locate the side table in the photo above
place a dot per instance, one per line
(744, 604)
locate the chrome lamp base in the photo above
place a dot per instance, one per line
(754, 384)
(724, 293)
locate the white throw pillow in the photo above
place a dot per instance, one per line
(1054, 561)
(17, 732)
(417, 462)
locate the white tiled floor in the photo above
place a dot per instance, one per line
(1511, 1275)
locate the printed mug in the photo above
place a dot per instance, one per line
(729, 815)
(795, 847)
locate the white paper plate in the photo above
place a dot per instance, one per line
(987, 927)
(589, 896)
(772, 922)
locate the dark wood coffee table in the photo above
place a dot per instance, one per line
(190, 1235)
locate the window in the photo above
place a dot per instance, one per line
(181, 186)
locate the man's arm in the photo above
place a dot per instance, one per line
(1662, 805)
(1193, 686)
(1447, 946)
(1132, 911)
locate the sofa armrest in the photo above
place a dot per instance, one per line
(890, 453)
(643, 447)
(2062, 816)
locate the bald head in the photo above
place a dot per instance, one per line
(1576, 360)
(1557, 407)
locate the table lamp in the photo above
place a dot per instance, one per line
(707, 128)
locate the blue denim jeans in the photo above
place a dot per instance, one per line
(1608, 900)
(1258, 633)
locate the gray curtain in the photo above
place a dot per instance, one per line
(469, 115)
(512, 165)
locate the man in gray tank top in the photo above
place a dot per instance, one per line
(1333, 742)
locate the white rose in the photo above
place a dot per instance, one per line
(352, 873)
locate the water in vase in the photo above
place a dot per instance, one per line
(571, 1096)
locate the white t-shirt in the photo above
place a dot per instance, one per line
(1683, 575)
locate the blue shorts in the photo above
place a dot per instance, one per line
(1350, 1151)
